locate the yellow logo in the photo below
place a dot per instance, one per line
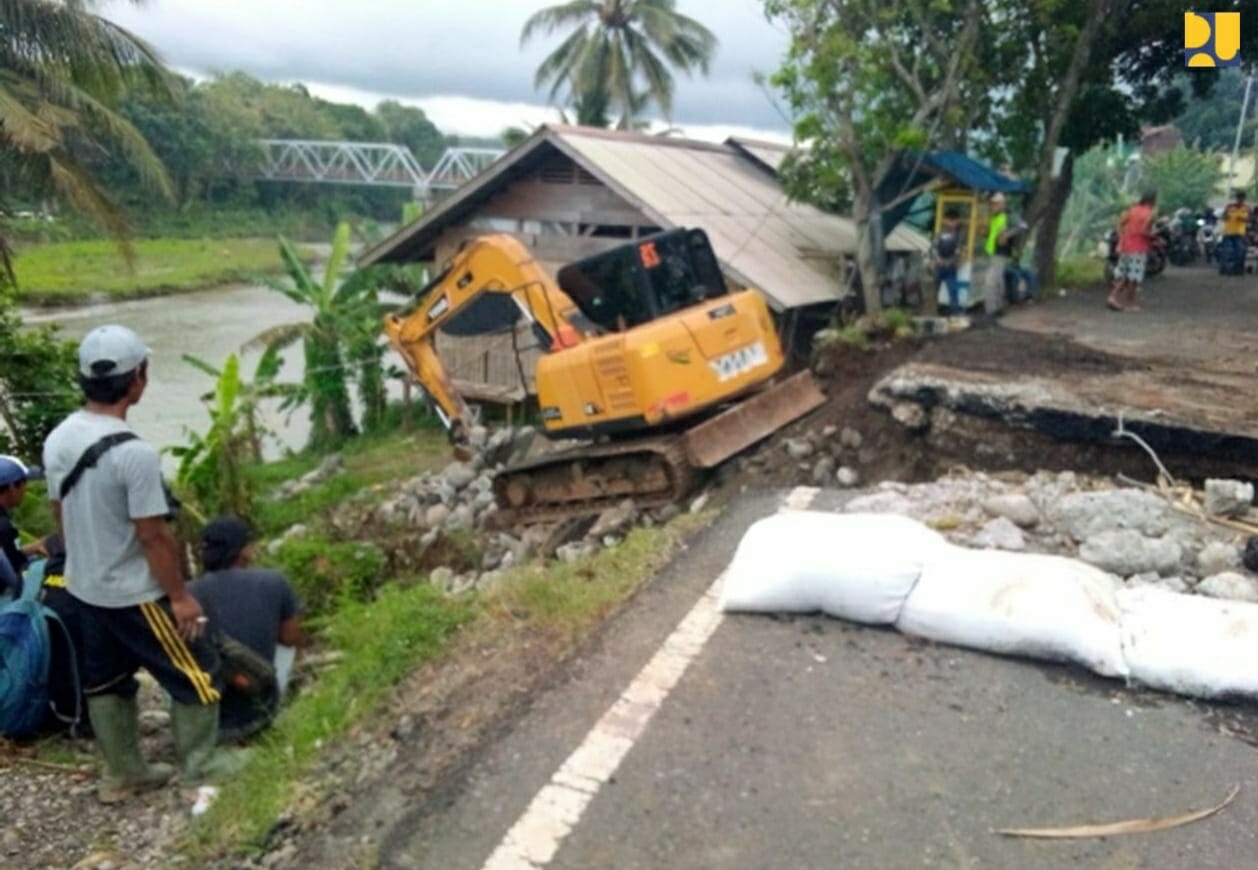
(1212, 39)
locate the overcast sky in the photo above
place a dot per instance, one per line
(459, 60)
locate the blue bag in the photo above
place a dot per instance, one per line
(25, 655)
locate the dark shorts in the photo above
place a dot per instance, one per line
(118, 641)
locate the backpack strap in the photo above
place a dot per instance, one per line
(91, 456)
(54, 618)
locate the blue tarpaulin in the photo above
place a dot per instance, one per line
(914, 170)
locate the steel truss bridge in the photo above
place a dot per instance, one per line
(376, 164)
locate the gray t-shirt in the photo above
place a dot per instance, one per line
(105, 563)
(248, 604)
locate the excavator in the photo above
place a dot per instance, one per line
(650, 361)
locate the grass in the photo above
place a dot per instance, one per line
(565, 599)
(1077, 272)
(384, 640)
(368, 461)
(71, 273)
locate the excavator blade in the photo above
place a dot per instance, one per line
(734, 430)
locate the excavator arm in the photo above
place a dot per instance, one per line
(497, 265)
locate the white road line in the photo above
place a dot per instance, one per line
(555, 811)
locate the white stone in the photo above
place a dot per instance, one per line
(1228, 498)
(462, 517)
(575, 552)
(1230, 585)
(851, 439)
(880, 503)
(1083, 515)
(614, 520)
(478, 437)
(823, 470)
(700, 503)
(459, 475)
(435, 516)
(910, 415)
(799, 448)
(829, 432)
(442, 577)
(848, 477)
(1016, 508)
(1217, 558)
(1000, 534)
(1128, 552)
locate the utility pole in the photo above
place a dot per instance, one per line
(1240, 129)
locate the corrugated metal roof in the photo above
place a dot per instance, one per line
(771, 154)
(762, 237)
(789, 251)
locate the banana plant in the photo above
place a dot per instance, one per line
(341, 342)
(210, 464)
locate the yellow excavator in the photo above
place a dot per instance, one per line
(649, 358)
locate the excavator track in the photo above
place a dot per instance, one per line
(652, 471)
(587, 480)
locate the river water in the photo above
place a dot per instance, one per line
(208, 324)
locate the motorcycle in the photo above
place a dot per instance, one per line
(1155, 260)
(1207, 240)
(1182, 249)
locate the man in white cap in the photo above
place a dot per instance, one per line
(13, 556)
(123, 567)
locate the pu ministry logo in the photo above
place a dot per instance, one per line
(1212, 39)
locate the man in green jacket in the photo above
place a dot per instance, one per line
(998, 249)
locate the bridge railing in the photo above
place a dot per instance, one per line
(378, 164)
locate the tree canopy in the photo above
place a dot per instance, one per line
(618, 55)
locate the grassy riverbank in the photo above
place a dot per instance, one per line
(75, 273)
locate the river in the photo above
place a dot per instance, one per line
(209, 324)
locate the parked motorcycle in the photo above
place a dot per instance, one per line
(1207, 240)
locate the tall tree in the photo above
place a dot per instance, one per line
(63, 69)
(617, 51)
(866, 80)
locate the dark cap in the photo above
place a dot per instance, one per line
(222, 542)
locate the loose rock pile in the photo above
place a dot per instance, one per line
(1134, 534)
(459, 500)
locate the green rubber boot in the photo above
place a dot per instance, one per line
(196, 740)
(116, 723)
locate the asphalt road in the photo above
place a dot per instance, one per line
(810, 743)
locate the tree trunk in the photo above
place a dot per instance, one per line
(1066, 93)
(1050, 224)
(870, 252)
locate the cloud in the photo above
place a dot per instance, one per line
(430, 53)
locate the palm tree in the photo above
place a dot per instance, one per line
(63, 69)
(616, 49)
(342, 342)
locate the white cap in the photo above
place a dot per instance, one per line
(110, 350)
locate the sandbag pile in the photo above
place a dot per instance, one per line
(884, 569)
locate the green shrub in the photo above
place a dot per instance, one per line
(1080, 272)
(327, 574)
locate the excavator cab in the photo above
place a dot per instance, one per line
(634, 284)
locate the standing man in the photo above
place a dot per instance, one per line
(998, 249)
(13, 556)
(946, 252)
(123, 567)
(1135, 239)
(1232, 247)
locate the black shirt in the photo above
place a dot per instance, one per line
(9, 547)
(248, 604)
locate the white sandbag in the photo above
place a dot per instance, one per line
(1042, 607)
(1188, 644)
(853, 566)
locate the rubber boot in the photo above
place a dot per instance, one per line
(195, 728)
(116, 723)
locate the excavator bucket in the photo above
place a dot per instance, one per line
(715, 440)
